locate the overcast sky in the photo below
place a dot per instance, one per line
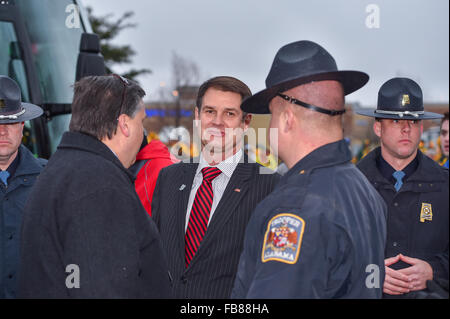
(241, 37)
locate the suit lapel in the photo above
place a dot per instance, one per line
(185, 184)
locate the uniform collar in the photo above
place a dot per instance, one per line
(427, 170)
(27, 164)
(327, 155)
(387, 170)
(13, 166)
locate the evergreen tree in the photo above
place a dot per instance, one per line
(107, 29)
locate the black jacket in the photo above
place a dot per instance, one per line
(83, 212)
(407, 234)
(320, 234)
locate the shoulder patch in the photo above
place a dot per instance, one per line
(283, 238)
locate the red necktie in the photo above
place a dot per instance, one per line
(201, 208)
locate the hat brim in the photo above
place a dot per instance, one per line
(259, 103)
(31, 112)
(425, 116)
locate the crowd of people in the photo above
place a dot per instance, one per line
(112, 215)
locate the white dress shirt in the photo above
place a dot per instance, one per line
(218, 184)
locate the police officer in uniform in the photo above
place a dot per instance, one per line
(19, 170)
(415, 189)
(321, 233)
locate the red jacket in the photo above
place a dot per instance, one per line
(157, 156)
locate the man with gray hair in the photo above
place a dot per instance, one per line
(85, 233)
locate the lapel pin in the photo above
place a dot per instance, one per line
(237, 190)
(182, 187)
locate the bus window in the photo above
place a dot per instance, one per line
(56, 127)
(29, 138)
(11, 63)
(55, 47)
(54, 44)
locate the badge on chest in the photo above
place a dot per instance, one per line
(426, 213)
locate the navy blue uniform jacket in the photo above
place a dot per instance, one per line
(410, 230)
(12, 202)
(320, 234)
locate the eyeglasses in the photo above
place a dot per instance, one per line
(309, 106)
(125, 83)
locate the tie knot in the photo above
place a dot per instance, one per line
(209, 173)
(4, 177)
(398, 175)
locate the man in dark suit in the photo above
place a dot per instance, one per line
(202, 208)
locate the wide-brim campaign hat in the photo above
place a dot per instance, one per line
(12, 109)
(299, 63)
(401, 99)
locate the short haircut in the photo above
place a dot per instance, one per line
(226, 84)
(98, 102)
(445, 118)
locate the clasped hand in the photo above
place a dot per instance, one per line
(398, 282)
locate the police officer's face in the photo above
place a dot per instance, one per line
(444, 138)
(221, 120)
(399, 138)
(10, 139)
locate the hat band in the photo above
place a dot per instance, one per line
(309, 106)
(401, 114)
(12, 116)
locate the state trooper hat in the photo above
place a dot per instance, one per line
(401, 99)
(12, 109)
(299, 63)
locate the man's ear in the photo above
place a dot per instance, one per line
(377, 128)
(123, 126)
(247, 120)
(287, 119)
